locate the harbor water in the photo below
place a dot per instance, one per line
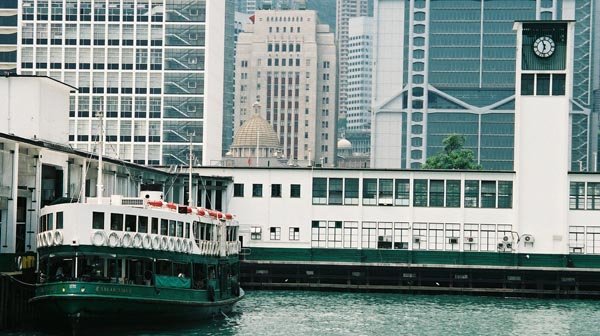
(333, 313)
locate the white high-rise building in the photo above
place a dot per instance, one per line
(144, 64)
(286, 61)
(360, 65)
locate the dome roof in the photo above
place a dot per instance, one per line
(344, 144)
(256, 129)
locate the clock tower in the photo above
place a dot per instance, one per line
(544, 72)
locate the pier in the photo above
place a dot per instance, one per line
(15, 292)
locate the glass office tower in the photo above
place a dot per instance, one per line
(446, 67)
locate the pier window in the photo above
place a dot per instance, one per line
(505, 190)
(238, 190)
(335, 191)
(350, 235)
(179, 229)
(488, 194)
(420, 193)
(452, 237)
(319, 190)
(335, 234)
(59, 220)
(592, 244)
(577, 196)
(402, 192)
(276, 190)
(172, 228)
(143, 224)
(275, 233)
(256, 233)
(351, 191)
(419, 236)
(295, 191)
(257, 190)
(319, 234)
(129, 223)
(116, 222)
(294, 233)
(369, 235)
(436, 193)
(488, 237)
(453, 193)
(385, 235)
(576, 239)
(164, 227)
(386, 191)
(471, 194)
(436, 236)
(593, 196)
(401, 236)
(471, 237)
(98, 220)
(369, 191)
(154, 229)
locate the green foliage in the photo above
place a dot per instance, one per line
(453, 156)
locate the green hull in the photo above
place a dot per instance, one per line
(79, 302)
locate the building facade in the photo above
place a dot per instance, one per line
(444, 67)
(345, 10)
(359, 80)
(286, 62)
(142, 64)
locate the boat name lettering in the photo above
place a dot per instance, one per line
(103, 289)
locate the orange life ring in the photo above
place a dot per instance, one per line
(172, 205)
(155, 203)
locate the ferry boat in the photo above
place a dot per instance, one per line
(123, 258)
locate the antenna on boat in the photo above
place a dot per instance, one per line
(100, 185)
(190, 198)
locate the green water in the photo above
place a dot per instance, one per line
(318, 313)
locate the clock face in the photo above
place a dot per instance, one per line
(544, 46)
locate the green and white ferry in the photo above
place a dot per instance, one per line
(117, 257)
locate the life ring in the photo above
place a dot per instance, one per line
(228, 216)
(201, 212)
(177, 245)
(155, 203)
(137, 240)
(127, 240)
(58, 238)
(171, 205)
(49, 238)
(113, 240)
(184, 246)
(156, 242)
(210, 293)
(164, 243)
(147, 241)
(98, 238)
(40, 239)
(190, 247)
(171, 244)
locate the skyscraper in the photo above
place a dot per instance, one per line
(444, 67)
(144, 64)
(345, 9)
(286, 61)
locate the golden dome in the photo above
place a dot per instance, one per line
(256, 129)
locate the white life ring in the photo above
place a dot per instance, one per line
(190, 247)
(137, 240)
(147, 241)
(58, 238)
(211, 247)
(184, 246)
(126, 241)
(40, 239)
(164, 243)
(201, 247)
(99, 238)
(205, 247)
(49, 238)
(113, 240)
(171, 244)
(156, 242)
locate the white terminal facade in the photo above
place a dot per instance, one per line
(143, 63)
(286, 61)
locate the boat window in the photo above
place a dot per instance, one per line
(98, 220)
(60, 269)
(209, 231)
(50, 221)
(195, 228)
(179, 229)
(181, 270)
(187, 230)
(116, 222)
(143, 224)
(42, 223)
(59, 220)
(114, 269)
(164, 227)
(154, 229)
(91, 268)
(130, 223)
(163, 267)
(172, 228)
(199, 276)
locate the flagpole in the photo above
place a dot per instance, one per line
(256, 106)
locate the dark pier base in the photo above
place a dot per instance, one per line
(551, 282)
(15, 292)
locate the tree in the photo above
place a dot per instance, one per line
(453, 156)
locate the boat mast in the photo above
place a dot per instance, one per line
(190, 198)
(100, 185)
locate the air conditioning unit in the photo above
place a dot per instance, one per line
(528, 239)
(508, 246)
(501, 247)
(507, 239)
(470, 240)
(452, 240)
